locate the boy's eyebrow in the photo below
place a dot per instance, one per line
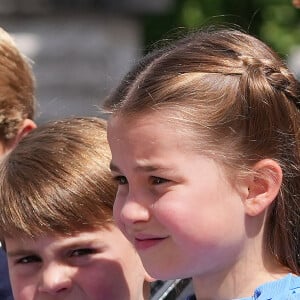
(68, 245)
(19, 252)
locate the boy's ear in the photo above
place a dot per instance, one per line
(263, 187)
(24, 129)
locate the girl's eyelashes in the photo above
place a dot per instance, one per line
(154, 180)
(120, 179)
(28, 259)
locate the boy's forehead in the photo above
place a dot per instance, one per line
(85, 235)
(29, 232)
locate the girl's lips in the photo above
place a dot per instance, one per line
(146, 243)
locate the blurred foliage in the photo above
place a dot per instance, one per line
(277, 22)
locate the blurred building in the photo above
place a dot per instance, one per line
(80, 48)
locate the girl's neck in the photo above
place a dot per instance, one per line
(252, 267)
(235, 284)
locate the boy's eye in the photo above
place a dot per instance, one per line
(28, 259)
(121, 180)
(158, 180)
(82, 252)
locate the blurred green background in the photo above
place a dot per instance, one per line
(277, 22)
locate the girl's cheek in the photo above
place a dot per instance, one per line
(163, 211)
(117, 212)
(171, 210)
(117, 215)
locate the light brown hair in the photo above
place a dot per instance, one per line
(239, 103)
(57, 181)
(17, 88)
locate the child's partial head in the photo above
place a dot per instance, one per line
(17, 99)
(56, 200)
(227, 96)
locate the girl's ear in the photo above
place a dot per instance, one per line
(263, 187)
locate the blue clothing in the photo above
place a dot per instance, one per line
(286, 288)
(5, 289)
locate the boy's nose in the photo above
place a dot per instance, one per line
(55, 279)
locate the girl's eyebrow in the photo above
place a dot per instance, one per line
(142, 166)
(113, 167)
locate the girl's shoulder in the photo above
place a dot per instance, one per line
(286, 288)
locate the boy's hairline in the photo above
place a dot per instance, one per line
(97, 227)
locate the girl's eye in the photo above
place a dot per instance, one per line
(121, 180)
(158, 180)
(28, 259)
(82, 252)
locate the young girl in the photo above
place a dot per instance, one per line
(56, 200)
(204, 135)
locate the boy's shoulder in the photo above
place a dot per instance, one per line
(5, 290)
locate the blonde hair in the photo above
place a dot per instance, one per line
(57, 181)
(17, 88)
(238, 102)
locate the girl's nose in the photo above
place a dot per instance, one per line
(132, 210)
(55, 279)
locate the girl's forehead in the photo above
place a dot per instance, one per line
(165, 116)
(153, 128)
(149, 138)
